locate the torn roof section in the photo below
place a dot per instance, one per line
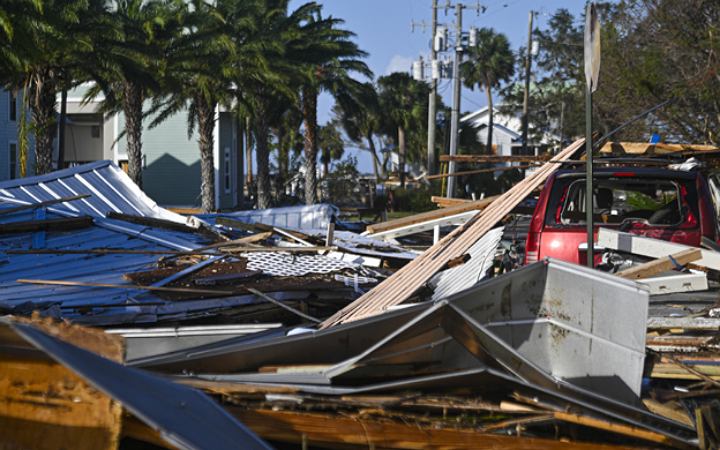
(110, 190)
(75, 235)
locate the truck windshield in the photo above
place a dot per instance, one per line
(658, 202)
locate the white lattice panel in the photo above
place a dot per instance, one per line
(288, 265)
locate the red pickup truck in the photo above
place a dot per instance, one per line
(673, 205)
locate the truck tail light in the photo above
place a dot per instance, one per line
(532, 246)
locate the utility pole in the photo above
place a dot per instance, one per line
(432, 106)
(455, 112)
(526, 96)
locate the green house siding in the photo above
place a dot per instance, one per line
(171, 174)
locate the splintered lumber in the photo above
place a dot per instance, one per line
(45, 405)
(61, 224)
(405, 282)
(32, 206)
(660, 265)
(431, 215)
(644, 148)
(337, 430)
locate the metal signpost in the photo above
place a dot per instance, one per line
(592, 72)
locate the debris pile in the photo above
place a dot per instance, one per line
(270, 328)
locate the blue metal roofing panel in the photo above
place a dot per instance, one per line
(110, 190)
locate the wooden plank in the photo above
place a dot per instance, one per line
(403, 284)
(61, 224)
(644, 148)
(660, 265)
(431, 215)
(618, 428)
(337, 430)
(493, 158)
(5, 211)
(654, 248)
(479, 171)
(444, 202)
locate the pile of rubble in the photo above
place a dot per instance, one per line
(128, 325)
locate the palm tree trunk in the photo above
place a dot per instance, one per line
(262, 155)
(43, 99)
(401, 156)
(132, 104)
(206, 127)
(490, 119)
(376, 160)
(309, 106)
(283, 153)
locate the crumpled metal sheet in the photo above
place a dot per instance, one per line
(185, 417)
(296, 217)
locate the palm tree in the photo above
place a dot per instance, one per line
(404, 102)
(126, 63)
(289, 137)
(44, 49)
(267, 96)
(361, 121)
(489, 63)
(200, 62)
(331, 59)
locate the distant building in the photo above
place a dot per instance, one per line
(171, 161)
(9, 128)
(507, 133)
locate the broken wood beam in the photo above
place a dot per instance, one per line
(32, 206)
(660, 265)
(60, 224)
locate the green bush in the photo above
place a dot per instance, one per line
(413, 199)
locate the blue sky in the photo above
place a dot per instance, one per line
(383, 29)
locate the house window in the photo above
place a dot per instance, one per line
(12, 166)
(226, 171)
(13, 106)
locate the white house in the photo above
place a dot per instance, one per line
(507, 133)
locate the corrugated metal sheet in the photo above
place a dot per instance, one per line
(297, 217)
(110, 189)
(465, 276)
